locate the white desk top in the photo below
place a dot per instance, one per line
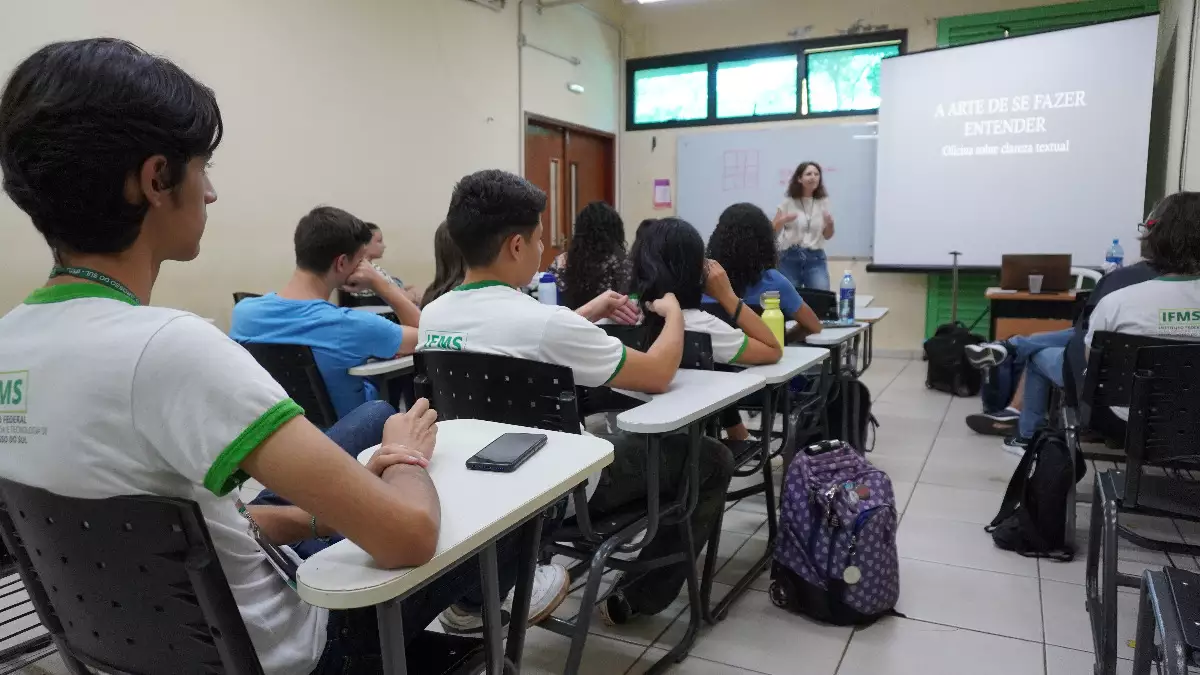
(374, 309)
(834, 336)
(870, 314)
(861, 301)
(477, 506)
(694, 394)
(795, 360)
(403, 364)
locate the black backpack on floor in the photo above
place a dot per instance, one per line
(949, 370)
(1033, 516)
(862, 417)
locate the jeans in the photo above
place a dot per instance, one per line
(352, 636)
(1042, 355)
(805, 268)
(623, 483)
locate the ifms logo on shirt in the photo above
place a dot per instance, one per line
(1179, 321)
(445, 341)
(14, 391)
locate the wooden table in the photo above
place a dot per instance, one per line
(344, 576)
(1025, 313)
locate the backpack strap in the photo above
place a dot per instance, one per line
(1016, 489)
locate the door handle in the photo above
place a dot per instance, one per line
(574, 198)
(555, 234)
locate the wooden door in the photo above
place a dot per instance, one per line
(574, 167)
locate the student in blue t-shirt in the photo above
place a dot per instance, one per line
(744, 244)
(331, 247)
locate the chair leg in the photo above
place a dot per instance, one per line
(591, 591)
(1107, 650)
(710, 571)
(680, 651)
(1143, 652)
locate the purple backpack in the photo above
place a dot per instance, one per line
(835, 556)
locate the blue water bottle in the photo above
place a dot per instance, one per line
(846, 299)
(547, 289)
(1114, 258)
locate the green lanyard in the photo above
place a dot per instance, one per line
(93, 275)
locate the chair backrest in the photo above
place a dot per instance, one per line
(823, 303)
(129, 584)
(697, 351)
(634, 337)
(241, 295)
(1111, 365)
(1081, 273)
(1164, 410)
(463, 385)
(294, 368)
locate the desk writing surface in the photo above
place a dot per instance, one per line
(998, 294)
(477, 506)
(373, 368)
(693, 395)
(834, 336)
(795, 360)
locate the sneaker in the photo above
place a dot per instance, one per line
(999, 423)
(1015, 445)
(986, 354)
(616, 610)
(551, 585)
(457, 620)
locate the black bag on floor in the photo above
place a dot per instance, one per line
(1033, 516)
(861, 418)
(949, 370)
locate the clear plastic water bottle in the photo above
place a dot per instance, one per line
(846, 299)
(547, 289)
(1114, 258)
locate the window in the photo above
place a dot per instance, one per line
(671, 94)
(842, 80)
(823, 77)
(757, 87)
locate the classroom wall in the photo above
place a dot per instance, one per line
(376, 106)
(668, 28)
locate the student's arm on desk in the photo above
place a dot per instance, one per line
(807, 323)
(651, 372)
(395, 520)
(397, 298)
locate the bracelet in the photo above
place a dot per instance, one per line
(738, 312)
(312, 523)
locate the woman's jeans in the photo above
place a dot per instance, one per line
(805, 268)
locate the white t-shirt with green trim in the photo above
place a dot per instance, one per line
(100, 398)
(492, 318)
(728, 342)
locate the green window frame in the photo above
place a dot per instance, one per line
(760, 82)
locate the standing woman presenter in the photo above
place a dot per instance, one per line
(803, 224)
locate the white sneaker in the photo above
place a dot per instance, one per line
(551, 585)
(458, 621)
(986, 354)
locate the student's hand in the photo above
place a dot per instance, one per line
(613, 305)
(828, 219)
(366, 276)
(414, 429)
(389, 455)
(790, 217)
(716, 282)
(665, 306)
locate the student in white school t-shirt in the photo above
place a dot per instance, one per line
(668, 257)
(494, 218)
(105, 147)
(803, 223)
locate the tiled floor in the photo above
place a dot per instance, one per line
(970, 608)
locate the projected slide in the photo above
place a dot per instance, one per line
(1027, 145)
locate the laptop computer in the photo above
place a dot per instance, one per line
(1054, 268)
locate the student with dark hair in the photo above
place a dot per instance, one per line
(331, 253)
(597, 257)
(802, 224)
(449, 267)
(375, 250)
(104, 147)
(668, 257)
(495, 218)
(1163, 306)
(744, 245)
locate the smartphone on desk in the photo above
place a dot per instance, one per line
(506, 453)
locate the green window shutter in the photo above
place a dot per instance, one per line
(963, 30)
(971, 301)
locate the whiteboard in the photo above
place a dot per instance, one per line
(715, 170)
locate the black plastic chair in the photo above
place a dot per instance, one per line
(543, 396)
(1164, 414)
(241, 295)
(1170, 610)
(127, 584)
(28, 641)
(294, 368)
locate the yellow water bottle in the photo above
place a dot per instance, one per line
(772, 315)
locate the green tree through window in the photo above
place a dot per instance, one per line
(757, 87)
(845, 79)
(670, 94)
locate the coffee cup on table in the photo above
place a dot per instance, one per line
(1035, 283)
